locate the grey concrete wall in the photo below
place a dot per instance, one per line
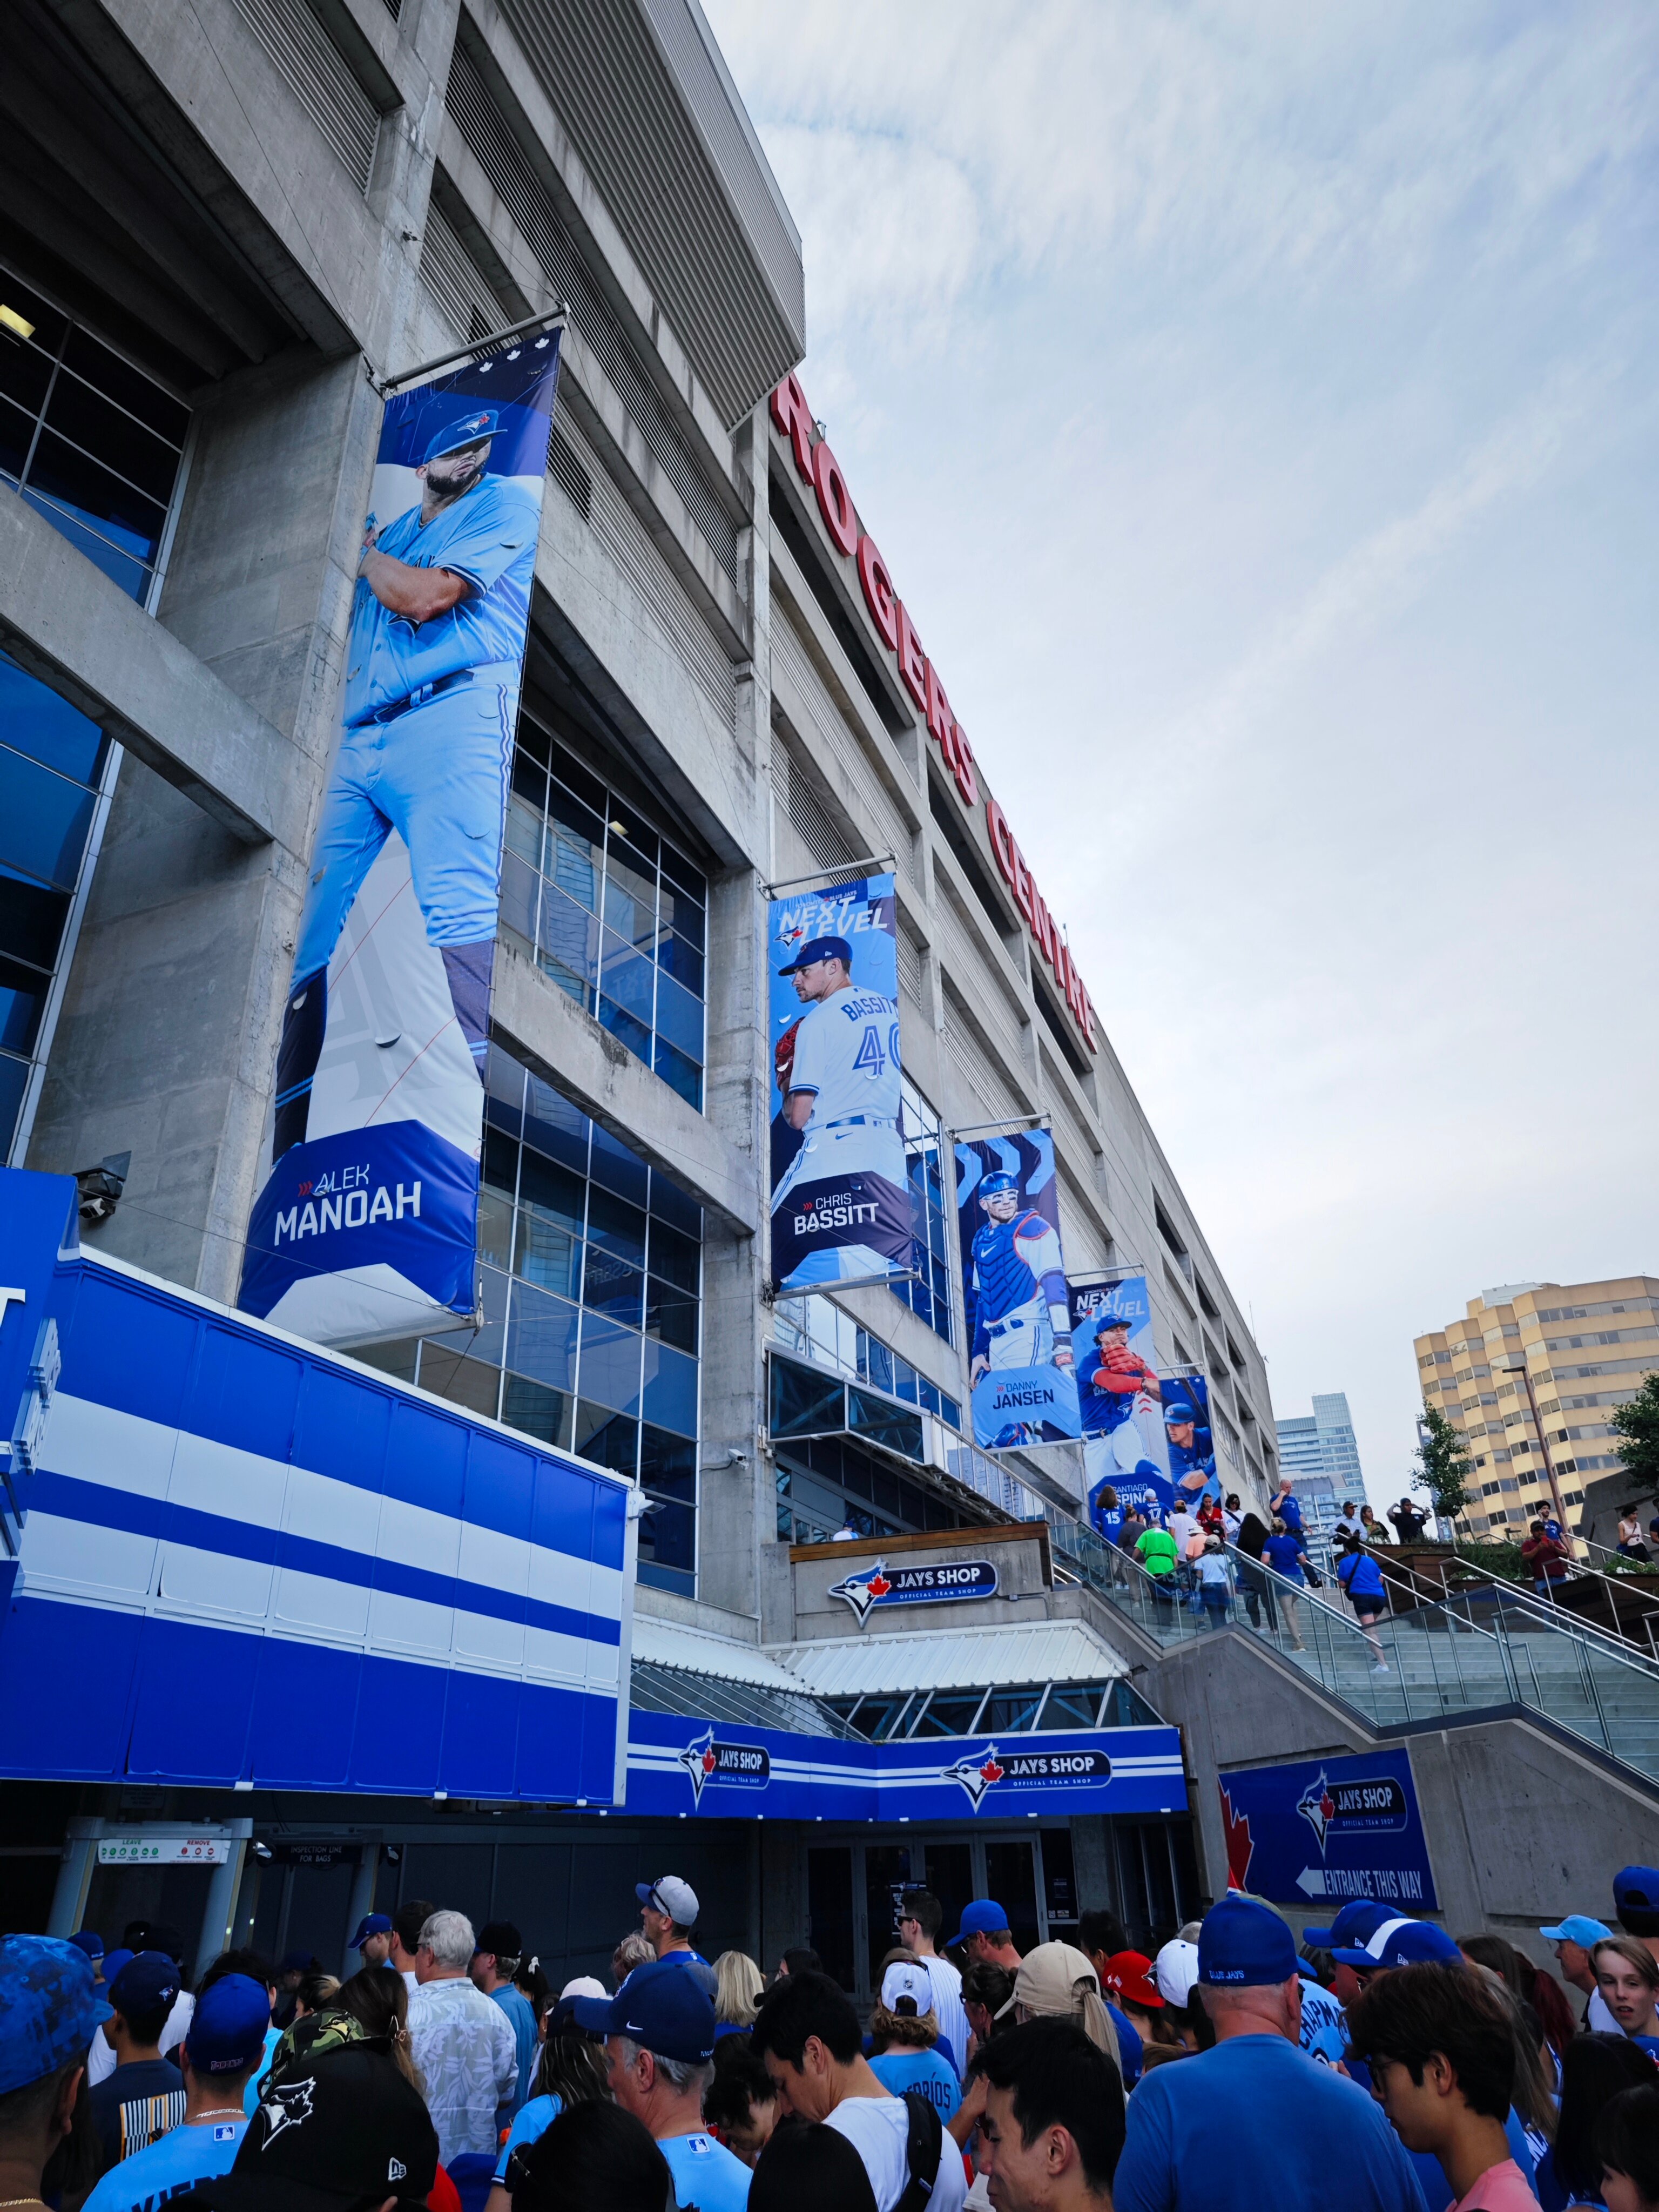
(1022, 1589)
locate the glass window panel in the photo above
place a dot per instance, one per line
(612, 1439)
(554, 1125)
(16, 433)
(804, 1403)
(610, 1286)
(504, 1081)
(1071, 1705)
(530, 785)
(25, 371)
(578, 781)
(877, 1718)
(876, 1362)
(680, 872)
(630, 904)
(87, 419)
(950, 1410)
(671, 1315)
(558, 1194)
(679, 1073)
(134, 390)
(125, 570)
(616, 1226)
(632, 1032)
(547, 1254)
(31, 919)
(14, 1080)
(533, 741)
(494, 1227)
(629, 977)
(671, 1389)
(539, 1411)
(568, 943)
(464, 1382)
(501, 1161)
(683, 960)
(23, 1000)
(675, 1257)
(1013, 1711)
(43, 820)
(34, 720)
(523, 829)
(541, 1337)
(948, 1712)
(669, 1203)
(97, 495)
(618, 1170)
(610, 1364)
(668, 1464)
(892, 1426)
(520, 890)
(668, 1538)
(399, 1359)
(679, 1018)
(632, 846)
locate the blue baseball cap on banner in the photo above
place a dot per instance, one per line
(465, 430)
(1360, 1919)
(820, 948)
(984, 1916)
(1112, 1321)
(1178, 1410)
(1243, 1945)
(661, 2007)
(49, 2006)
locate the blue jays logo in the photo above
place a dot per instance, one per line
(1318, 1808)
(286, 2107)
(978, 1773)
(864, 1591)
(473, 425)
(748, 1765)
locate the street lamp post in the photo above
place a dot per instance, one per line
(1519, 1367)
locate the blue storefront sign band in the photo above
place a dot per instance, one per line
(717, 1770)
(954, 1583)
(1330, 1828)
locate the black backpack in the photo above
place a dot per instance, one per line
(923, 2145)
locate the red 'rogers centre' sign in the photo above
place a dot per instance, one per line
(817, 467)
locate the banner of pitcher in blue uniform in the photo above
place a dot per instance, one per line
(1147, 1438)
(366, 1226)
(1013, 1273)
(841, 1204)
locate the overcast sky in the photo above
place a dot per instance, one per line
(1256, 406)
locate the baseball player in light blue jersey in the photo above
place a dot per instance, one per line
(1021, 1316)
(438, 630)
(841, 1092)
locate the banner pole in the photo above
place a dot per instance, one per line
(554, 317)
(1008, 1122)
(878, 860)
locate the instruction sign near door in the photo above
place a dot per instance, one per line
(1322, 1831)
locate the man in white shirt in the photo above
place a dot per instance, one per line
(920, 1918)
(1348, 1523)
(807, 2036)
(462, 2042)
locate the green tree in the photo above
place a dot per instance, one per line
(1636, 1434)
(1445, 1465)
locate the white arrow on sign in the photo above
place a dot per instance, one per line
(1311, 1881)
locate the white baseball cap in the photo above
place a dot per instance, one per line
(585, 1985)
(671, 1895)
(903, 1980)
(1177, 1969)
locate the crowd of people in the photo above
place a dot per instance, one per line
(1378, 2065)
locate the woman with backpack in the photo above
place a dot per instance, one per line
(1366, 1592)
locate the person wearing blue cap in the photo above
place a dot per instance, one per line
(1254, 2125)
(659, 2033)
(50, 2007)
(221, 2051)
(1575, 1937)
(144, 2097)
(840, 1089)
(90, 1940)
(437, 629)
(372, 1940)
(986, 1935)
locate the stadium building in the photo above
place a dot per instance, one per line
(640, 1569)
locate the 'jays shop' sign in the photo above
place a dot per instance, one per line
(953, 1583)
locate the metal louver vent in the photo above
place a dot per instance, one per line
(824, 843)
(910, 969)
(455, 279)
(494, 143)
(320, 79)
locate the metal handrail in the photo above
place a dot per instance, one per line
(1564, 1624)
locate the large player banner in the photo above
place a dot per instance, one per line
(1013, 1271)
(1145, 1438)
(840, 1207)
(366, 1226)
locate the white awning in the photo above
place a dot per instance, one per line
(667, 1643)
(1015, 1653)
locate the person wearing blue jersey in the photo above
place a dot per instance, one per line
(1022, 1317)
(220, 2053)
(1191, 1446)
(438, 627)
(1254, 2123)
(1363, 1586)
(841, 1091)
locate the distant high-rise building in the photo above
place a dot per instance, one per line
(1319, 1452)
(1564, 1354)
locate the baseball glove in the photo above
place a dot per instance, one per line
(783, 1058)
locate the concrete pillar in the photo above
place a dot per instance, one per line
(69, 1898)
(1093, 1864)
(361, 1904)
(219, 1914)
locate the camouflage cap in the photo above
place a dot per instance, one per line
(49, 2006)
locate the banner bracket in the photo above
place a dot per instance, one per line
(556, 317)
(1007, 1122)
(870, 860)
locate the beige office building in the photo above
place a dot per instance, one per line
(1530, 1377)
